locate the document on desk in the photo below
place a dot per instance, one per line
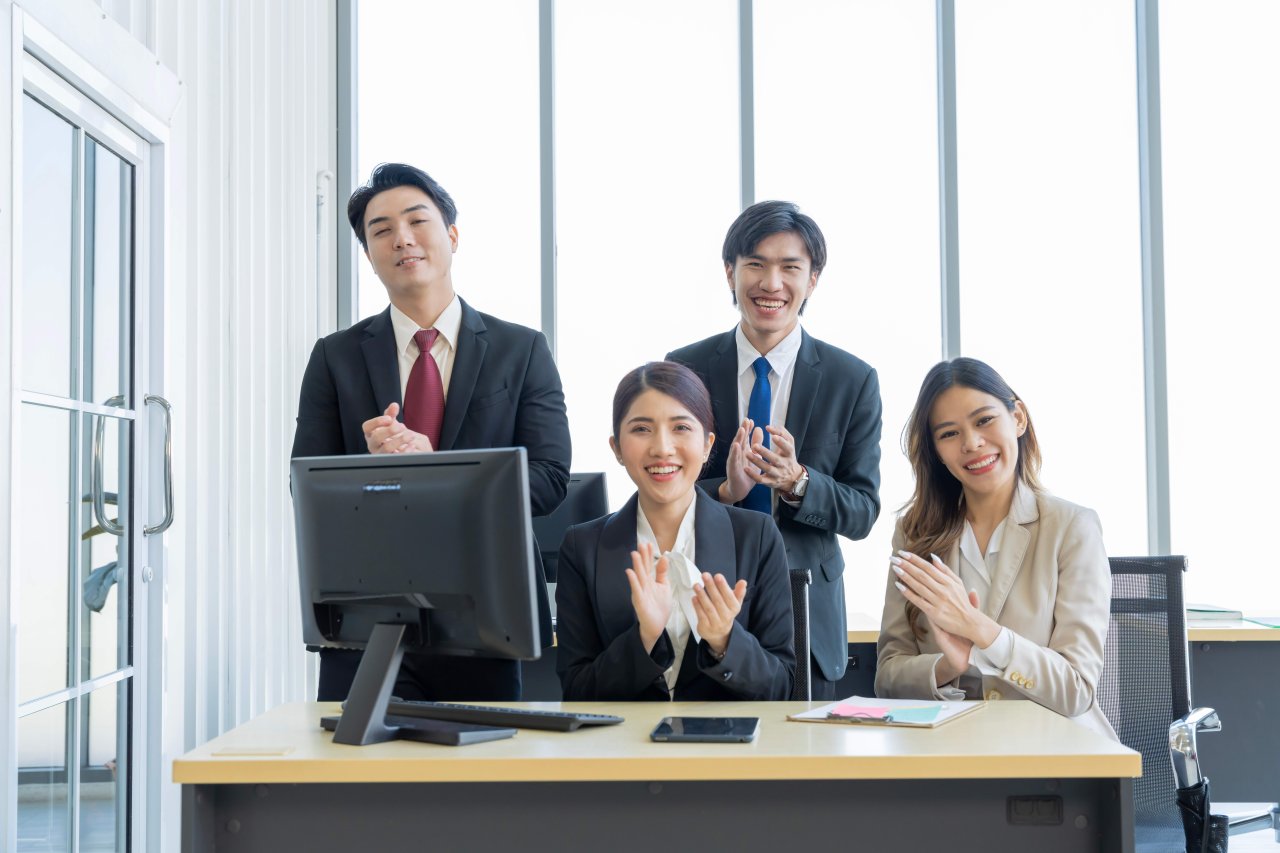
(917, 713)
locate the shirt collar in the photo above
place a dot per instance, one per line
(448, 324)
(684, 535)
(780, 357)
(969, 545)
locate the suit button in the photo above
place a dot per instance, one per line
(1014, 676)
(993, 695)
(728, 673)
(1031, 682)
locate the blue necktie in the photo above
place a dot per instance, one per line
(758, 409)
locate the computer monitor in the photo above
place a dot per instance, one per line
(430, 553)
(584, 499)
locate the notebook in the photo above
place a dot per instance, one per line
(918, 713)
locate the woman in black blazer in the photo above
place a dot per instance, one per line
(708, 619)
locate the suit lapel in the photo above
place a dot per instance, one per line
(804, 389)
(613, 558)
(714, 547)
(722, 382)
(1023, 514)
(713, 538)
(467, 362)
(379, 348)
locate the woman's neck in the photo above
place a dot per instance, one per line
(665, 518)
(985, 511)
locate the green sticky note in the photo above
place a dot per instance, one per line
(926, 714)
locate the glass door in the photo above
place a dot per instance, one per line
(77, 491)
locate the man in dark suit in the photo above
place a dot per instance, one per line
(797, 420)
(431, 373)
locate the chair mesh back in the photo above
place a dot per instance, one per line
(800, 580)
(1145, 685)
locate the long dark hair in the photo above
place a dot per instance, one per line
(933, 519)
(675, 380)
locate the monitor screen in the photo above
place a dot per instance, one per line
(585, 499)
(438, 542)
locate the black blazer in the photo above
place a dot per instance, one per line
(504, 392)
(834, 415)
(600, 656)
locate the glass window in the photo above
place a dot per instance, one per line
(1050, 264)
(44, 819)
(44, 555)
(48, 212)
(856, 148)
(452, 88)
(647, 184)
(108, 274)
(1221, 176)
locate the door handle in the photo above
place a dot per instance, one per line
(168, 465)
(95, 482)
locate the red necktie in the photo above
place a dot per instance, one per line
(424, 395)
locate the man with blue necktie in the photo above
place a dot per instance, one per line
(797, 420)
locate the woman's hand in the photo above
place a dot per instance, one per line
(955, 651)
(940, 595)
(650, 596)
(716, 604)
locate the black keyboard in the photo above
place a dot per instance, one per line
(486, 715)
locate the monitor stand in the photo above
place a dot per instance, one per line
(364, 714)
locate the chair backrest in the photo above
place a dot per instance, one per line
(1145, 684)
(585, 498)
(800, 581)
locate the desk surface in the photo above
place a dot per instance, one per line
(866, 629)
(1014, 739)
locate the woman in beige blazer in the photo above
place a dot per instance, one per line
(997, 589)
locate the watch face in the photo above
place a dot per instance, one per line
(801, 485)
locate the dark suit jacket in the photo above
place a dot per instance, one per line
(600, 655)
(504, 392)
(834, 415)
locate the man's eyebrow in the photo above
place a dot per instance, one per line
(378, 219)
(789, 260)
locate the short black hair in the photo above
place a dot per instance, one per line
(388, 176)
(766, 218)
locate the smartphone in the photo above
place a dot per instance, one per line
(706, 729)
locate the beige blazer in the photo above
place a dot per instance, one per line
(1051, 588)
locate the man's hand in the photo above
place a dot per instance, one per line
(737, 470)
(775, 466)
(385, 434)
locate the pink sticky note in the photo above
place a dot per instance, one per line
(858, 711)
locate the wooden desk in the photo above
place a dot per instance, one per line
(278, 782)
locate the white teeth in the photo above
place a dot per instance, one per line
(663, 469)
(981, 463)
(770, 303)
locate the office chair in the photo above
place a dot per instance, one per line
(1145, 688)
(800, 581)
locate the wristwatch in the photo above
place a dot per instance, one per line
(801, 486)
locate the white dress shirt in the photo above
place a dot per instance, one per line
(682, 574)
(976, 573)
(444, 350)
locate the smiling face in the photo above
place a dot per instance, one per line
(409, 246)
(663, 447)
(770, 285)
(976, 437)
